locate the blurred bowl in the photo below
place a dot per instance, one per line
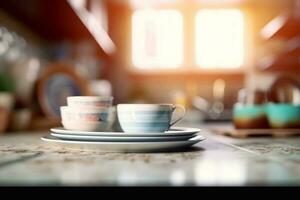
(283, 115)
(250, 116)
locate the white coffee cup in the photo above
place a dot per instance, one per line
(147, 117)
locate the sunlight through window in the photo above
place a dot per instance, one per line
(219, 38)
(157, 39)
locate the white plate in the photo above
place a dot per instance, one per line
(121, 138)
(176, 131)
(123, 146)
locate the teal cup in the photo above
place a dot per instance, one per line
(250, 116)
(283, 115)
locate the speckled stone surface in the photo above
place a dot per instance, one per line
(219, 160)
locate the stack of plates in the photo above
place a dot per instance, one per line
(174, 139)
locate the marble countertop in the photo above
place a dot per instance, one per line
(219, 160)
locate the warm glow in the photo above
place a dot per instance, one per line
(219, 38)
(157, 39)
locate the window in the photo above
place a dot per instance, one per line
(157, 39)
(219, 38)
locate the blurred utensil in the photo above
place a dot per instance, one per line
(216, 109)
(201, 104)
(217, 106)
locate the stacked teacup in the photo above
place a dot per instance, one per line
(88, 113)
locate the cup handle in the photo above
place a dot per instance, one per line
(182, 115)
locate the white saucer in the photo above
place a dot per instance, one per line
(121, 138)
(123, 146)
(176, 131)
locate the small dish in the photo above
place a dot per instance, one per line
(137, 147)
(176, 131)
(121, 138)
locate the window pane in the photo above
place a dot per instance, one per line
(219, 38)
(157, 39)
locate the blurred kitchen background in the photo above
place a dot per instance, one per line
(198, 53)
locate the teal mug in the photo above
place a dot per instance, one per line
(250, 116)
(283, 115)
